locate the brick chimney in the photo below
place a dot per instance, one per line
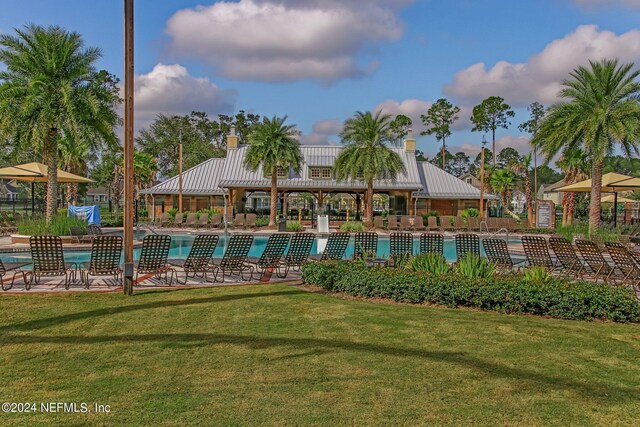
(410, 142)
(232, 139)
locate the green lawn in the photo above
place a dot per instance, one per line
(278, 355)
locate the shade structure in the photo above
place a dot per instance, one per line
(37, 172)
(611, 198)
(611, 182)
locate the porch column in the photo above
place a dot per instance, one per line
(358, 203)
(320, 202)
(411, 207)
(284, 203)
(230, 204)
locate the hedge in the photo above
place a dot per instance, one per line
(558, 298)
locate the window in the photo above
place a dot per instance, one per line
(326, 173)
(281, 173)
(321, 173)
(468, 179)
(315, 172)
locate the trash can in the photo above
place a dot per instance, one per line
(282, 223)
(323, 223)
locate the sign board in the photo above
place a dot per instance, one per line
(545, 214)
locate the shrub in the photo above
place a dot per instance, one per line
(173, 211)
(60, 225)
(472, 266)
(508, 294)
(294, 226)
(429, 263)
(470, 213)
(262, 221)
(536, 274)
(352, 227)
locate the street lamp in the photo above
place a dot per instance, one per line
(484, 142)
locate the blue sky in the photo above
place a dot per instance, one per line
(319, 61)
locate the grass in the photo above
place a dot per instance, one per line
(59, 226)
(276, 355)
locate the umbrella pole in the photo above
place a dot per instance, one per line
(615, 209)
(33, 198)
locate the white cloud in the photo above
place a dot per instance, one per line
(634, 4)
(170, 89)
(413, 108)
(540, 78)
(520, 143)
(286, 40)
(327, 127)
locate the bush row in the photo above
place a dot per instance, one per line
(508, 294)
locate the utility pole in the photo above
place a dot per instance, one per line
(180, 174)
(128, 147)
(484, 142)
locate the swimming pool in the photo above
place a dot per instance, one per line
(181, 245)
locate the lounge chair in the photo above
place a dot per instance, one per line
(105, 259)
(299, 251)
(432, 243)
(458, 224)
(234, 258)
(493, 224)
(199, 257)
(251, 221)
(272, 255)
(178, 220)
(94, 230)
(567, 257)
(378, 222)
(238, 221)
(497, 252)
(537, 253)
(473, 224)
(153, 257)
(418, 223)
(593, 258)
(432, 223)
(365, 245)
(446, 222)
(191, 219)
(467, 243)
(203, 221)
(216, 221)
(392, 223)
(400, 246)
(163, 219)
(625, 263)
(48, 260)
(15, 268)
(79, 235)
(405, 223)
(336, 247)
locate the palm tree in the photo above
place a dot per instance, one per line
(521, 168)
(72, 157)
(144, 171)
(602, 111)
(273, 145)
(502, 181)
(575, 165)
(51, 89)
(366, 155)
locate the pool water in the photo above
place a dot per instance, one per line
(181, 245)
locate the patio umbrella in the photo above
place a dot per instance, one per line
(37, 172)
(611, 199)
(611, 183)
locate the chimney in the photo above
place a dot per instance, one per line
(409, 141)
(232, 139)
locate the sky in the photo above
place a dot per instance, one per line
(320, 61)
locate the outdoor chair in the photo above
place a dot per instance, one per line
(234, 258)
(238, 221)
(473, 224)
(191, 219)
(418, 223)
(251, 221)
(400, 247)
(497, 252)
(336, 247)
(94, 230)
(198, 259)
(446, 222)
(392, 223)
(592, 256)
(13, 267)
(271, 258)
(79, 235)
(48, 260)
(567, 257)
(511, 224)
(432, 243)
(625, 263)
(405, 223)
(365, 245)
(432, 223)
(105, 259)
(163, 220)
(492, 224)
(216, 221)
(203, 221)
(378, 222)
(458, 223)
(299, 251)
(153, 257)
(467, 243)
(537, 253)
(178, 220)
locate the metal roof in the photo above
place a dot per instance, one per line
(202, 179)
(236, 175)
(322, 161)
(439, 184)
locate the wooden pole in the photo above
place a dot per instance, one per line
(482, 180)
(128, 146)
(180, 179)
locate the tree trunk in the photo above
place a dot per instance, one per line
(596, 194)
(51, 153)
(443, 156)
(274, 197)
(529, 199)
(369, 202)
(493, 134)
(72, 193)
(571, 207)
(505, 197)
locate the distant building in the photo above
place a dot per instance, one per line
(97, 195)
(549, 192)
(9, 190)
(470, 179)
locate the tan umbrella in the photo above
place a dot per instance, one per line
(611, 199)
(37, 172)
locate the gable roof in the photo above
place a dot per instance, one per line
(439, 184)
(202, 179)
